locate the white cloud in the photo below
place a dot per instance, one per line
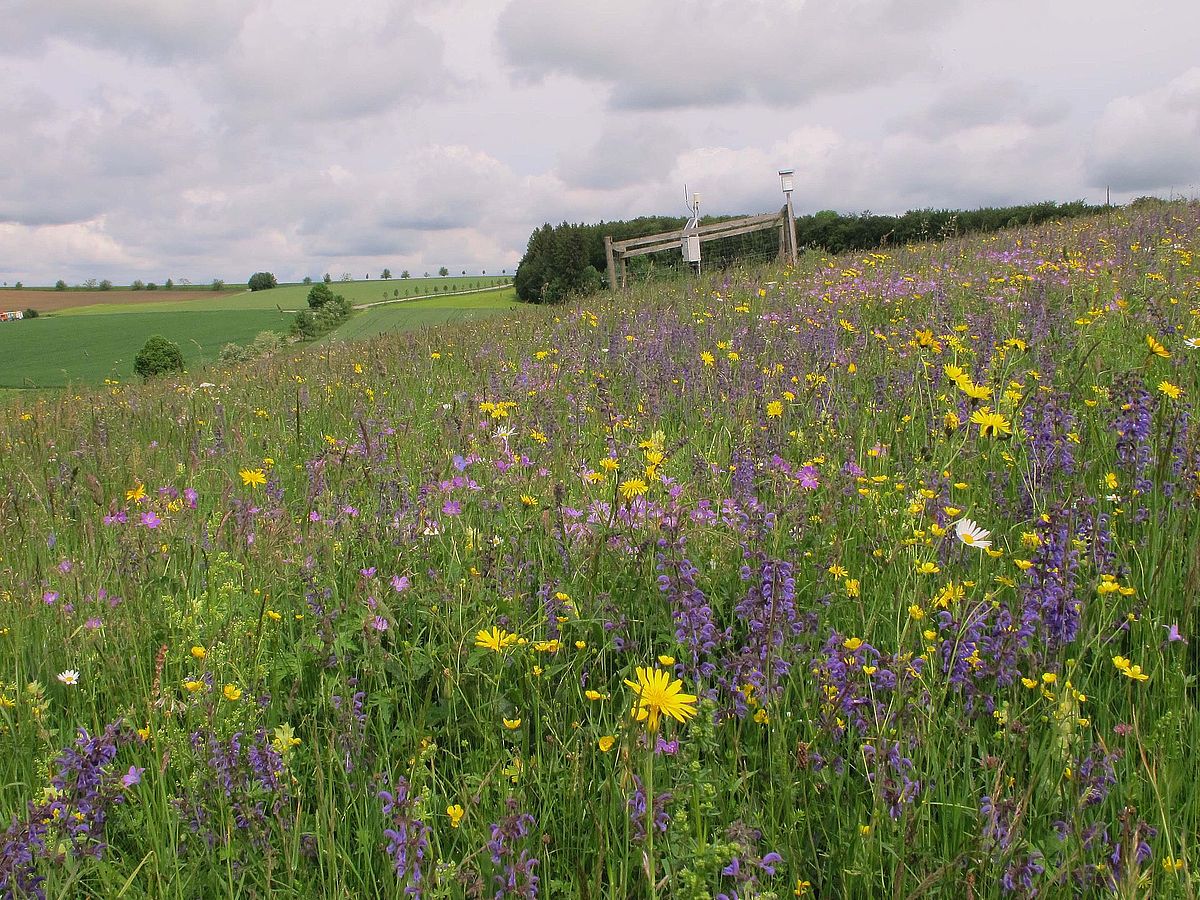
(78, 247)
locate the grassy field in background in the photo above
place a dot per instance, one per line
(55, 350)
(92, 343)
(288, 296)
(47, 301)
(422, 313)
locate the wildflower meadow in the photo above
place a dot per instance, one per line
(876, 577)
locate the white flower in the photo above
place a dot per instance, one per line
(71, 676)
(970, 533)
(1192, 343)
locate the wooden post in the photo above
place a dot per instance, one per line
(782, 244)
(612, 267)
(791, 228)
(624, 274)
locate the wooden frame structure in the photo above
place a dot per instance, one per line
(619, 251)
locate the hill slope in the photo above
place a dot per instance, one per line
(873, 578)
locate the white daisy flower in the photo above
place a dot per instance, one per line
(970, 533)
(70, 676)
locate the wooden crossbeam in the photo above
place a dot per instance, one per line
(703, 230)
(619, 251)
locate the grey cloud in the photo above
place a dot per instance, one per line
(708, 53)
(313, 62)
(626, 153)
(961, 106)
(1150, 141)
(72, 165)
(159, 30)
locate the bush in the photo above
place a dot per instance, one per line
(158, 356)
(151, 286)
(319, 295)
(30, 313)
(232, 353)
(265, 343)
(218, 284)
(311, 323)
(137, 285)
(307, 279)
(106, 285)
(262, 281)
(60, 285)
(18, 286)
(168, 284)
(305, 324)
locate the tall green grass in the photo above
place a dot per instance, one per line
(751, 482)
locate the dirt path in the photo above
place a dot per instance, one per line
(495, 287)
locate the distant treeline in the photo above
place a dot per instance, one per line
(567, 259)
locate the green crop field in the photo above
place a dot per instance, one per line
(91, 343)
(413, 314)
(294, 296)
(55, 350)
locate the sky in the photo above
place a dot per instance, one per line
(181, 139)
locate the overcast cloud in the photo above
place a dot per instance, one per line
(151, 139)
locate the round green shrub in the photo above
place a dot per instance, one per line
(158, 356)
(261, 281)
